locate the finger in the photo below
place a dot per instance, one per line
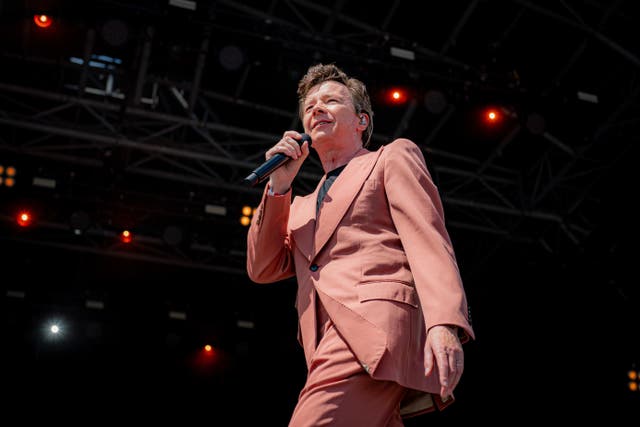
(442, 359)
(297, 147)
(285, 146)
(428, 362)
(304, 148)
(456, 374)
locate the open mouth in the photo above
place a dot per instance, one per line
(320, 123)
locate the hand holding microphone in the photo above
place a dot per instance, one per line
(283, 162)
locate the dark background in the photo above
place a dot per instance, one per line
(539, 206)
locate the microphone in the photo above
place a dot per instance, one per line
(263, 171)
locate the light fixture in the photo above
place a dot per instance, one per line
(79, 222)
(435, 101)
(184, 4)
(24, 218)
(173, 235)
(126, 236)
(231, 57)
(536, 124)
(42, 21)
(215, 210)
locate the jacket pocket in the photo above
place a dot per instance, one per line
(387, 290)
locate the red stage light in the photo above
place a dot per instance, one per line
(397, 96)
(492, 115)
(24, 218)
(126, 236)
(207, 360)
(42, 21)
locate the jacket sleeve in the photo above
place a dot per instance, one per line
(417, 213)
(269, 256)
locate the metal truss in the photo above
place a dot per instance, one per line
(161, 148)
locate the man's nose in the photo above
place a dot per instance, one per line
(318, 107)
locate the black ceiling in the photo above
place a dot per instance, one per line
(178, 105)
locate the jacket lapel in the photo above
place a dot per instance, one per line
(341, 195)
(302, 221)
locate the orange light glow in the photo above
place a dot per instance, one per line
(245, 220)
(633, 386)
(42, 21)
(246, 210)
(492, 116)
(24, 218)
(207, 361)
(397, 96)
(633, 375)
(126, 236)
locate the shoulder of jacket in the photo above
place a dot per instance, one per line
(398, 145)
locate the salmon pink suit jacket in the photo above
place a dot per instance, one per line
(377, 256)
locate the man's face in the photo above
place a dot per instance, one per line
(328, 111)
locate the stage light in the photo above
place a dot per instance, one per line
(42, 21)
(206, 360)
(247, 213)
(177, 315)
(115, 32)
(55, 329)
(402, 53)
(207, 356)
(492, 116)
(126, 236)
(634, 377)
(94, 304)
(536, 124)
(215, 210)
(435, 101)
(231, 58)
(397, 96)
(24, 218)
(588, 97)
(172, 235)
(7, 176)
(184, 4)
(79, 222)
(44, 182)
(245, 324)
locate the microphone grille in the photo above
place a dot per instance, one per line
(305, 137)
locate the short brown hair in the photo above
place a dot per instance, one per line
(320, 73)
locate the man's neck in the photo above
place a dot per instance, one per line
(335, 158)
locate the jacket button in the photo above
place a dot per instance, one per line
(314, 267)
